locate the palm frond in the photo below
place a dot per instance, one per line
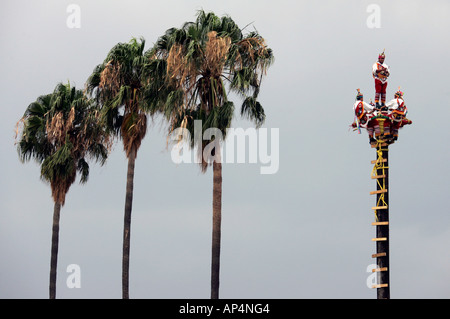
(253, 110)
(83, 169)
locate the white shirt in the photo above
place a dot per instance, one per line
(367, 107)
(377, 76)
(394, 103)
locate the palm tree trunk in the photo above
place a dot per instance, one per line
(127, 225)
(54, 252)
(216, 228)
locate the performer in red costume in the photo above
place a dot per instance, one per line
(363, 113)
(380, 72)
(398, 111)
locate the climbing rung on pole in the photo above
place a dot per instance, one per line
(383, 160)
(378, 176)
(379, 239)
(380, 223)
(379, 191)
(379, 269)
(378, 255)
(382, 144)
(380, 286)
(379, 207)
(374, 146)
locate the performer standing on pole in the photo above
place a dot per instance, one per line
(380, 72)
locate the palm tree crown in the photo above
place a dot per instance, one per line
(120, 86)
(202, 57)
(61, 131)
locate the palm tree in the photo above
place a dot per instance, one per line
(203, 57)
(122, 87)
(61, 130)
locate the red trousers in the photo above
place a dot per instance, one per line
(380, 87)
(380, 91)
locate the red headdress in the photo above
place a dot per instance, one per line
(398, 93)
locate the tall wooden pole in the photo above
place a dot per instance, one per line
(382, 222)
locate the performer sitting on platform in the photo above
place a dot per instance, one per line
(363, 112)
(398, 111)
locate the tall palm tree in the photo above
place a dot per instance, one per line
(61, 131)
(122, 87)
(203, 58)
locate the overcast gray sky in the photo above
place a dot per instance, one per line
(304, 232)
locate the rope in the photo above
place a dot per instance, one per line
(380, 165)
